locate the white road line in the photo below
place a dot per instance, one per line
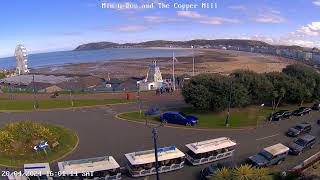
(266, 137)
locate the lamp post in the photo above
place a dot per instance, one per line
(192, 60)
(138, 99)
(155, 145)
(36, 104)
(229, 104)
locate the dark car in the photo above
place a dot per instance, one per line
(208, 172)
(277, 116)
(299, 129)
(269, 156)
(301, 144)
(318, 121)
(316, 107)
(178, 118)
(302, 111)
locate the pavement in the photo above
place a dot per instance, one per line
(101, 134)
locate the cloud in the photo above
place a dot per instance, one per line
(238, 7)
(218, 20)
(312, 29)
(270, 18)
(316, 2)
(158, 19)
(130, 28)
(189, 14)
(206, 19)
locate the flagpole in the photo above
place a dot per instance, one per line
(173, 77)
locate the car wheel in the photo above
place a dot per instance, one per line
(164, 121)
(301, 114)
(279, 162)
(311, 146)
(188, 124)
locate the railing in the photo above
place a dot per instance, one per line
(307, 163)
(209, 159)
(152, 171)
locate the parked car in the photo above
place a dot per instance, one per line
(208, 172)
(299, 129)
(178, 118)
(316, 107)
(301, 144)
(269, 156)
(277, 116)
(302, 111)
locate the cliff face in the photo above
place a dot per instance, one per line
(162, 43)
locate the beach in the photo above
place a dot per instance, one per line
(206, 61)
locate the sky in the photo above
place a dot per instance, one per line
(47, 25)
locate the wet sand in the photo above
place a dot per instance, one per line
(206, 61)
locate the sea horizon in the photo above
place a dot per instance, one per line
(56, 58)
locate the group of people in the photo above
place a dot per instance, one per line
(164, 89)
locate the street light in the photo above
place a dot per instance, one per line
(36, 103)
(229, 104)
(155, 145)
(138, 99)
(192, 60)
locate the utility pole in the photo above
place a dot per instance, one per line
(229, 104)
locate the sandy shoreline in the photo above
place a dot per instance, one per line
(206, 61)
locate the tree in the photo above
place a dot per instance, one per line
(212, 92)
(258, 86)
(222, 174)
(262, 174)
(308, 77)
(244, 172)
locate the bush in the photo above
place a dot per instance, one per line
(24, 134)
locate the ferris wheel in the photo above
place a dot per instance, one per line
(22, 59)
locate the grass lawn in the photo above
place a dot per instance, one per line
(67, 141)
(51, 104)
(239, 117)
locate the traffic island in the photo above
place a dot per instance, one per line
(32, 142)
(241, 118)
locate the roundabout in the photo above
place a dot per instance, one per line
(29, 142)
(102, 134)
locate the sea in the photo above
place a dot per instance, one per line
(72, 57)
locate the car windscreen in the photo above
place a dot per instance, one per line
(182, 114)
(301, 142)
(266, 155)
(298, 127)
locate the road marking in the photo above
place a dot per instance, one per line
(266, 137)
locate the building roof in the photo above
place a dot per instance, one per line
(144, 157)
(276, 149)
(37, 169)
(211, 145)
(88, 165)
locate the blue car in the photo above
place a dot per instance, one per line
(178, 118)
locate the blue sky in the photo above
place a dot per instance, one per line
(43, 25)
